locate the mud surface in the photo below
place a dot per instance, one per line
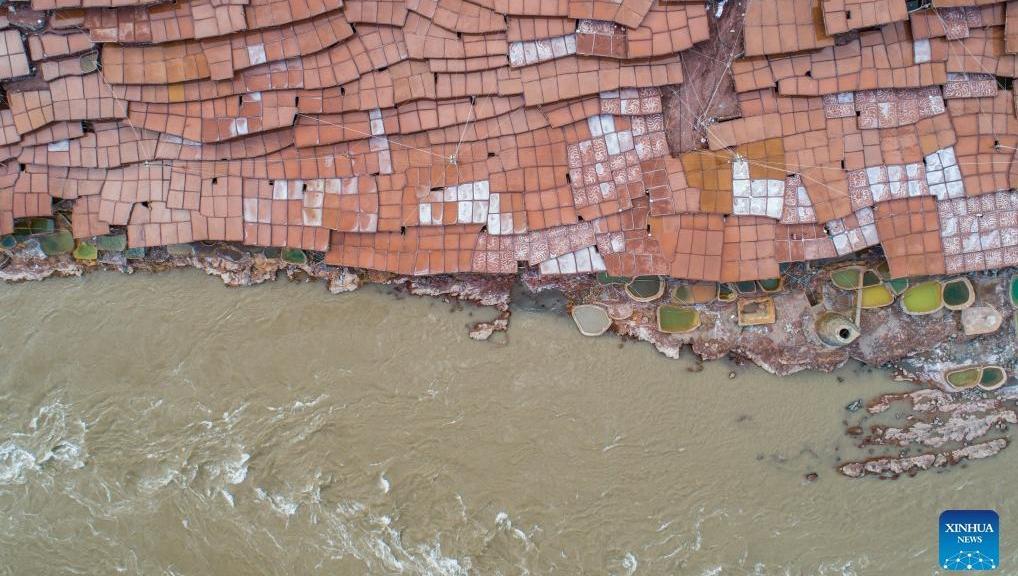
(707, 93)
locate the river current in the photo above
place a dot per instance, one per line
(164, 424)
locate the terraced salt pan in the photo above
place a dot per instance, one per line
(755, 197)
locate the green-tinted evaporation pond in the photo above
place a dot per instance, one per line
(884, 270)
(992, 377)
(746, 287)
(645, 288)
(898, 285)
(683, 293)
(60, 242)
(677, 319)
(86, 251)
(964, 378)
(847, 278)
(923, 298)
(697, 293)
(876, 296)
(870, 278)
(111, 242)
(957, 292)
(605, 278)
(725, 293)
(29, 226)
(1014, 291)
(294, 256)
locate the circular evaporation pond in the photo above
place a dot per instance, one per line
(294, 256)
(698, 293)
(898, 286)
(725, 293)
(704, 292)
(847, 278)
(746, 287)
(86, 251)
(677, 319)
(619, 310)
(683, 294)
(876, 296)
(183, 250)
(870, 278)
(923, 298)
(60, 242)
(993, 377)
(30, 226)
(645, 288)
(591, 320)
(605, 278)
(883, 270)
(111, 243)
(136, 253)
(957, 293)
(964, 378)
(756, 311)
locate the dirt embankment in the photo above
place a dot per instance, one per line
(707, 93)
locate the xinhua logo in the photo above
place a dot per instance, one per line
(969, 540)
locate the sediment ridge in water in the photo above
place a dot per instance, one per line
(810, 319)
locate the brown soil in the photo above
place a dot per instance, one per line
(707, 94)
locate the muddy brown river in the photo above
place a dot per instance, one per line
(165, 424)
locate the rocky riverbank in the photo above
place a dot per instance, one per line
(933, 429)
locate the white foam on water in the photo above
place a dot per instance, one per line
(280, 503)
(503, 522)
(15, 461)
(150, 484)
(630, 564)
(53, 414)
(236, 471)
(377, 541)
(298, 405)
(439, 565)
(383, 551)
(843, 567)
(616, 441)
(698, 524)
(231, 416)
(50, 440)
(67, 453)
